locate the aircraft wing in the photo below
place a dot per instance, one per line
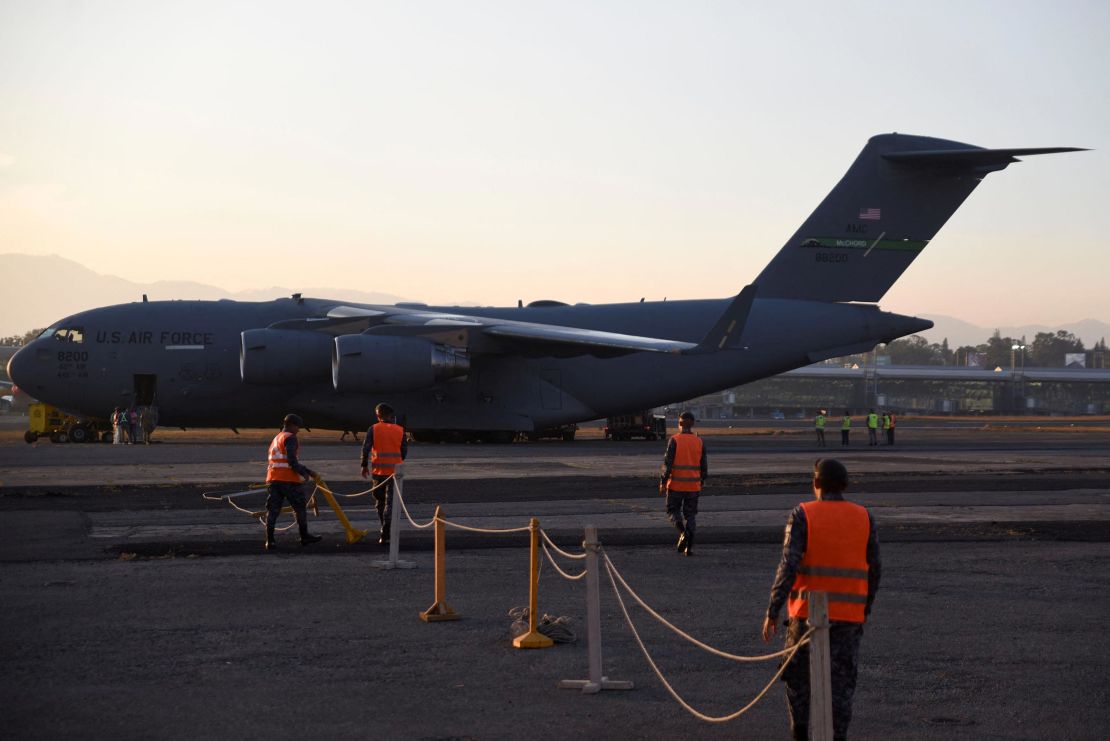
(535, 336)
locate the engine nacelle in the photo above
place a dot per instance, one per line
(380, 363)
(277, 356)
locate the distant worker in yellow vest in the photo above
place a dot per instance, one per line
(845, 427)
(872, 428)
(283, 481)
(684, 471)
(891, 422)
(830, 545)
(383, 450)
(819, 426)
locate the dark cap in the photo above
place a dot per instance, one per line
(830, 474)
(293, 419)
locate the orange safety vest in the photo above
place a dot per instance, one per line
(686, 470)
(835, 560)
(892, 420)
(277, 467)
(385, 456)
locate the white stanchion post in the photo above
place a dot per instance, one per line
(596, 683)
(394, 561)
(820, 669)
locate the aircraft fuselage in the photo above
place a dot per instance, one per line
(184, 356)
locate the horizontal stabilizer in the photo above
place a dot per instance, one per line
(972, 158)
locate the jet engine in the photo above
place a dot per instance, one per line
(275, 356)
(380, 363)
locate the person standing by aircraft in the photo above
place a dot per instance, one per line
(133, 425)
(884, 422)
(283, 481)
(845, 427)
(890, 429)
(118, 425)
(830, 545)
(872, 428)
(383, 450)
(684, 472)
(819, 426)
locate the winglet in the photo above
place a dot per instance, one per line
(730, 327)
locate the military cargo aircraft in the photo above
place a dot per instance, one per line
(487, 373)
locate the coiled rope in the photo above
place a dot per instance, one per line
(556, 628)
(670, 690)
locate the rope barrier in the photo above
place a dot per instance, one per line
(679, 631)
(560, 551)
(367, 491)
(562, 573)
(486, 530)
(609, 568)
(405, 509)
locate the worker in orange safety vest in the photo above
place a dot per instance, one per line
(684, 471)
(831, 546)
(283, 481)
(383, 450)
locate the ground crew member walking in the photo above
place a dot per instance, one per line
(684, 471)
(383, 450)
(819, 426)
(872, 428)
(283, 481)
(890, 429)
(845, 427)
(830, 546)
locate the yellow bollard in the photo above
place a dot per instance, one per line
(533, 638)
(440, 610)
(353, 535)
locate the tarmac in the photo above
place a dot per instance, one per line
(137, 609)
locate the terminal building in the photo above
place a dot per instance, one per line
(924, 389)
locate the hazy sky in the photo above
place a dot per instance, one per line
(582, 151)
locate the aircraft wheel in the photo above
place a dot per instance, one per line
(79, 434)
(568, 436)
(30, 437)
(59, 437)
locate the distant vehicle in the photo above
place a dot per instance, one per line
(49, 421)
(777, 415)
(557, 432)
(642, 424)
(6, 404)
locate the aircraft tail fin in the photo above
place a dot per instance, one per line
(895, 197)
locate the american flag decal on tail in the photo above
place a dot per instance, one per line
(871, 214)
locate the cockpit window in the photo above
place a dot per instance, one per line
(70, 334)
(48, 332)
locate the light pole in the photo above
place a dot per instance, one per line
(1013, 373)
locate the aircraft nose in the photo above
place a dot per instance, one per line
(19, 367)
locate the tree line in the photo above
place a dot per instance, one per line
(1047, 350)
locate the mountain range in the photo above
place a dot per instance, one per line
(40, 289)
